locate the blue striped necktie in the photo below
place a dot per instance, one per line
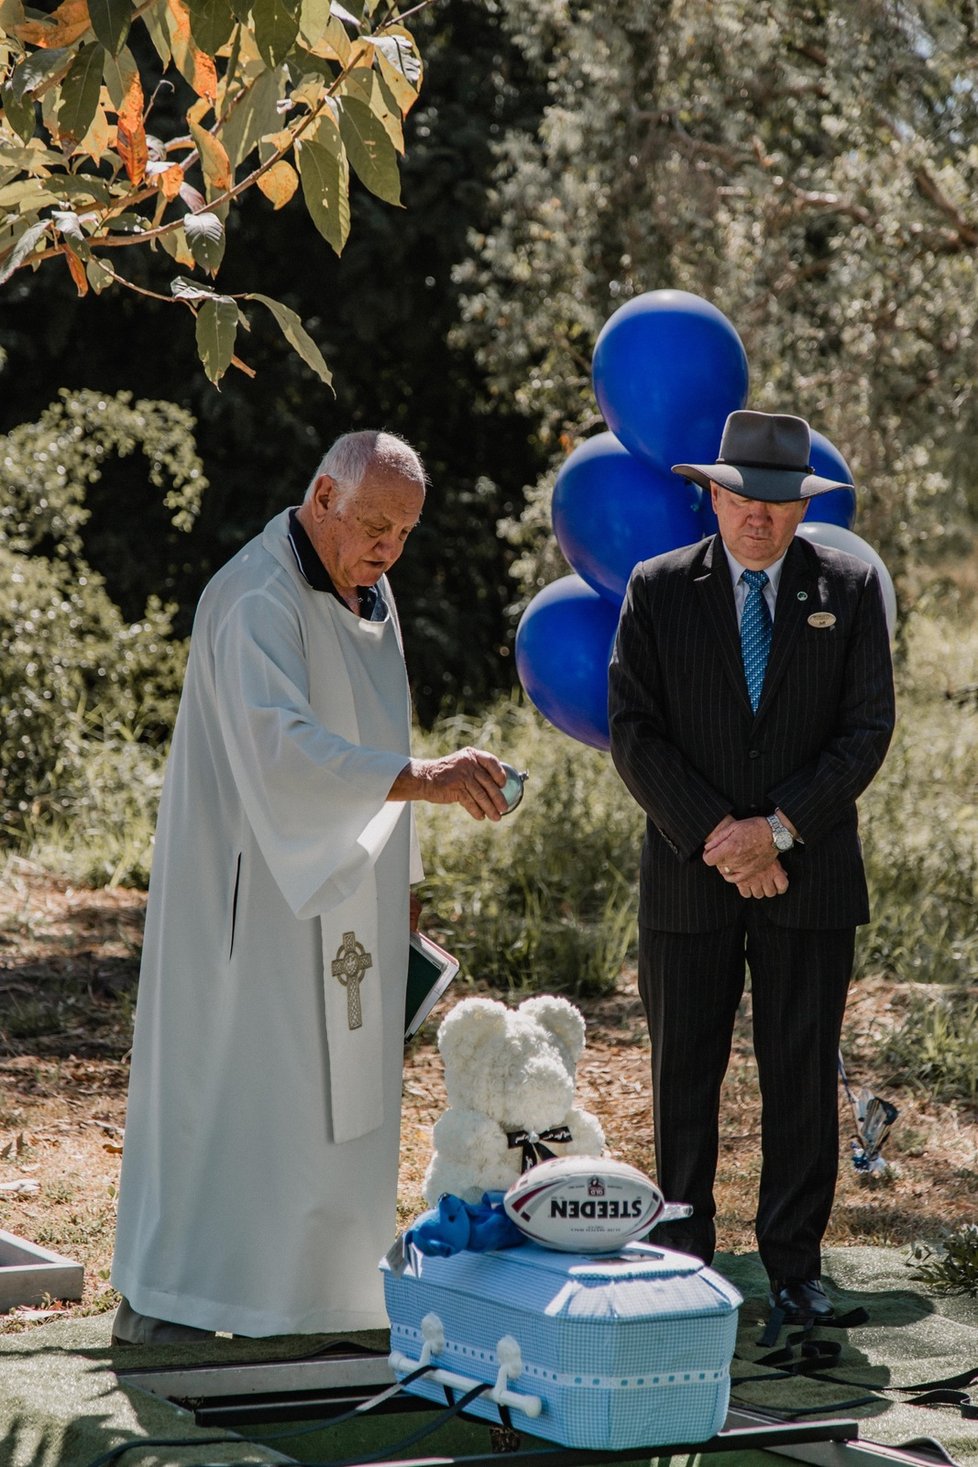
(755, 633)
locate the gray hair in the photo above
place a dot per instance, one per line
(353, 454)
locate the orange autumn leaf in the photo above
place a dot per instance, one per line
(193, 64)
(61, 28)
(77, 270)
(279, 183)
(181, 20)
(204, 79)
(170, 180)
(214, 161)
(131, 133)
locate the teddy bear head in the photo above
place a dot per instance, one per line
(516, 1065)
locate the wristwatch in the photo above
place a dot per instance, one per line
(783, 839)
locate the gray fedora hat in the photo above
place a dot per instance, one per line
(763, 456)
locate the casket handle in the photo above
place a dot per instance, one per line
(433, 1334)
(507, 1353)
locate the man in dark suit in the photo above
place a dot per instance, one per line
(751, 703)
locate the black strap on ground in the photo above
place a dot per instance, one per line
(109, 1458)
(815, 1358)
(777, 1320)
(393, 1449)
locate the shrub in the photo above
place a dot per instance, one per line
(950, 1268)
(546, 898)
(87, 697)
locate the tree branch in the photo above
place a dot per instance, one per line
(930, 189)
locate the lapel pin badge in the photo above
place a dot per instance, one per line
(802, 595)
(821, 619)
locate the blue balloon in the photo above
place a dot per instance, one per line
(667, 369)
(563, 647)
(611, 510)
(836, 506)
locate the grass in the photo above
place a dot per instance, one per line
(920, 816)
(936, 1047)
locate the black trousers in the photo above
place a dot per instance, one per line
(691, 985)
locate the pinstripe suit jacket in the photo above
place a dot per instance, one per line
(690, 750)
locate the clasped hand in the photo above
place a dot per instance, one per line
(741, 852)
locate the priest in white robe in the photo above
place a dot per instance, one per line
(259, 1175)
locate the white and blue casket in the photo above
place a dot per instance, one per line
(589, 1351)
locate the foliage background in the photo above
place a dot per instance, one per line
(810, 167)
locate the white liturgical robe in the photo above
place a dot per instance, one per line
(259, 1175)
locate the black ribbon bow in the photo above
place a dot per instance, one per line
(532, 1144)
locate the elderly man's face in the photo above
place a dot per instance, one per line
(360, 536)
(757, 532)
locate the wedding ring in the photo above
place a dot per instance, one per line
(726, 870)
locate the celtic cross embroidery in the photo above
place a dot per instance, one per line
(350, 966)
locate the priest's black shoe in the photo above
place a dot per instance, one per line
(803, 1301)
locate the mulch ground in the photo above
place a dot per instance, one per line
(68, 973)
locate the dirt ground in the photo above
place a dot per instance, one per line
(68, 971)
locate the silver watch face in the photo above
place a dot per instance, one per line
(783, 838)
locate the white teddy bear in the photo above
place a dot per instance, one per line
(509, 1074)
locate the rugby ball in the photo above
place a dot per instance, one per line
(583, 1204)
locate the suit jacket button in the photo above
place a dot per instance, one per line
(753, 753)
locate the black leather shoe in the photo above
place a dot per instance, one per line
(803, 1301)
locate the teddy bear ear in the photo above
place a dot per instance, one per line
(470, 1022)
(561, 1019)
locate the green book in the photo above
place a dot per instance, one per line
(430, 970)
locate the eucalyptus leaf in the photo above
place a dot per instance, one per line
(313, 18)
(205, 236)
(79, 94)
(110, 22)
(154, 19)
(373, 91)
(325, 189)
(99, 278)
(296, 335)
(190, 290)
(211, 23)
(80, 187)
(370, 150)
(398, 51)
(21, 250)
(33, 158)
(127, 223)
(28, 75)
(276, 25)
(118, 74)
(30, 195)
(217, 328)
(401, 67)
(19, 88)
(67, 223)
(19, 112)
(254, 116)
